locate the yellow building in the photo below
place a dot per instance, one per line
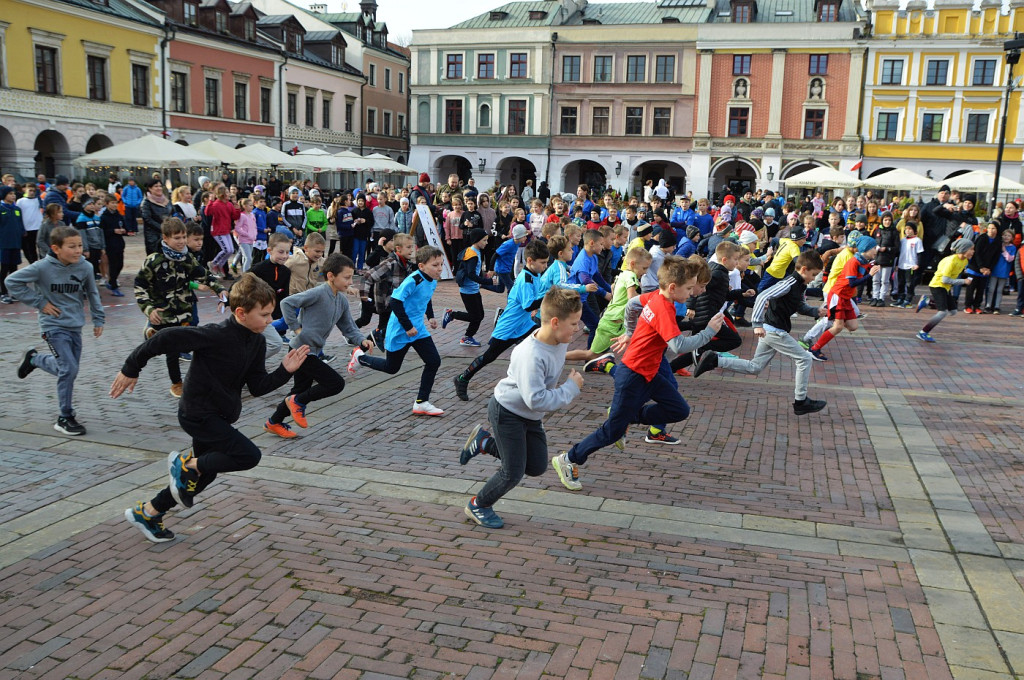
(75, 76)
(934, 85)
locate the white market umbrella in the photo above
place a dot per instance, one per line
(148, 151)
(981, 181)
(378, 162)
(345, 161)
(900, 179)
(227, 155)
(263, 156)
(823, 177)
(314, 152)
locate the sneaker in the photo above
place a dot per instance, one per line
(326, 358)
(6, 299)
(461, 388)
(446, 318)
(485, 517)
(1015, 312)
(353, 363)
(568, 473)
(151, 527)
(740, 322)
(660, 438)
(897, 303)
(280, 429)
(695, 356)
(968, 310)
(602, 364)
(116, 292)
(26, 366)
(620, 443)
(995, 311)
(148, 331)
(922, 303)
(177, 389)
(817, 355)
(425, 408)
(805, 406)
(469, 342)
(708, 362)
(803, 343)
(921, 335)
(69, 426)
(727, 355)
(182, 481)
(474, 444)
(684, 373)
(297, 411)
(185, 356)
(497, 314)
(378, 339)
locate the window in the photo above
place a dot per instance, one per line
(819, 65)
(221, 22)
(662, 121)
(636, 69)
(191, 13)
(325, 117)
(977, 127)
(97, 68)
(337, 55)
(140, 85)
(401, 83)
(453, 116)
(931, 127)
(892, 71)
(738, 121)
(517, 65)
(297, 43)
(46, 70)
(293, 108)
(484, 119)
(179, 92)
(241, 99)
(634, 120)
(212, 91)
(741, 13)
(665, 69)
(887, 125)
(937, 71)
(373, 75)
(265, 95)
(517, 117)
(828, 10)
(454, 62)
(387, 79)
(984, 72)
(602, 69)
(814, 124)
(741, 65)
(348, 116)
(601, 115)
(310, 103)
(400, 120)
(485, 66)
(569, 117)
(371, 121)
(571, 69)
(250, 30)
(385, 127)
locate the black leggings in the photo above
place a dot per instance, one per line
(495, 348)
(115, 263)
(218, 447)
(314, 380)
(366, 313)
(474, 313)
(725, 340)
(5, 271)
(28, 246)
(173, 359)
(976, 292)
(392, 363)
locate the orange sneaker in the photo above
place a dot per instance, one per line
(683, 372)
(280, 429)
(177, 389)
(298, 411)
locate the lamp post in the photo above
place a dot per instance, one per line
(1012, 49)
(482, 164)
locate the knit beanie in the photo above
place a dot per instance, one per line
(476, 234)
(961, 246)
(865, 243)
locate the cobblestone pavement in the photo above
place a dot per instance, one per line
(879, 539)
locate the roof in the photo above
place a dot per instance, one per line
(785, 12)
(321, 36)
(241, 7)
(275, 19)
(339, 17)
(308, 55)
(116, 8)
(518, 14)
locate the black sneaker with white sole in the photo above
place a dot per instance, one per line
(805, 406)
(26, 366)
(708, 361)
(69, 426)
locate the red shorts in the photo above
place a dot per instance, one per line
(841, 309)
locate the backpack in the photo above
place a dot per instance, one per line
(460, 272)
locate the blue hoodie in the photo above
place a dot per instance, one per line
(131, 196)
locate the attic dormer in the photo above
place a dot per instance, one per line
(213, 16)
(329, 46)
(286, 29)
(827, 11)
(242, 21)
(743, 11)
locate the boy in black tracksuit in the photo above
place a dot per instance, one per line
(226, 357)
(710, 302)
(112, 224)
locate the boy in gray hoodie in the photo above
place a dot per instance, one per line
(312, 314)
(57, 286)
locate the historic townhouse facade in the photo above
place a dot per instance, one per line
(935, 82)
(75, 77)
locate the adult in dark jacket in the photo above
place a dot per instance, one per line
(1010, 219)
(988, 248)
(934, 225)
(58, 194)
(155, 209)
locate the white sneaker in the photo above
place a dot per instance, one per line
(353, 363)
(568, 472)
(425, 408)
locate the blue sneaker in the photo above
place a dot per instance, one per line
(116, 292)
(151, 527)
(921, 335)
(469, 342)
(474, 444)
(447, 317)
(378, 338)
(922, 303)
(182, 480)
(485, 517)
(185, 356)
(817, 355)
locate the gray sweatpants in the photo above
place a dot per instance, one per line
(66, 353)
(772, 342)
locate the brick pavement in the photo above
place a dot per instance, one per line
(765, 546)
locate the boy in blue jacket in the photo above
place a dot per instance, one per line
(471, 277)
(586, 270)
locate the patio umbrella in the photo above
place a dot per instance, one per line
(227, 155)
(900, 179)
(148, 151)
(263, 156)
(823, 177)
(981, 181)
(380, 163)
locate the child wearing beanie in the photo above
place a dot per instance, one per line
(842, 310)
(946, 276)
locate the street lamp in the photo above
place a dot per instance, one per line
(1012, 49)
(770, 175)
(618, 168)
(482, 164)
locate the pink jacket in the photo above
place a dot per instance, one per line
(245, 228)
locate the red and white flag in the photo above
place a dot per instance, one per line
(856, 166)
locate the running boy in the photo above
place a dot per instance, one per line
(383, 279)
(228, 356)
(470, 281)
(57, 285)
(585, 271)
(520, 400)
(842, 310)
(946, 276)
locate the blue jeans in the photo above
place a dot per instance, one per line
(359, 252)
(629, 405)
(507, 279)
(280, 326)
(590, 320)
(131, 218)
(66, 353)
(767, 281)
